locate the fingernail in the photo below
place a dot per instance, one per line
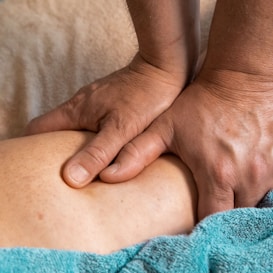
(79, 174)
(113, 168)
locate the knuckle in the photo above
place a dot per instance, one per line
(164, 130)
(69, 106)
(258, 169)
(96, 154)
(83, 120)
(224, 174)
(91, 87)
(76, 100)
(126, 125)
(223, 177)
(221, 196)
(132, 150)
(75, 109)
(256, 183)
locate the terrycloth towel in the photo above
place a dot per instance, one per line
(239, 240)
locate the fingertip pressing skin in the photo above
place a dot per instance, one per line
(73, 173)
(134, 157)
(121, 171)
(112, 174)
(76, 176)
(86, 165)
(80, 170)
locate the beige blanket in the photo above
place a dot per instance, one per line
(50, 48)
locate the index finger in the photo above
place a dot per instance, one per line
(83, 167)
(213, 199)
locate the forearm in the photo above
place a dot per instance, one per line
(241, 37)
(168, 33)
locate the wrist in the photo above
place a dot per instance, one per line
(143, 64)
(236, 87)
(168, 34)
(178, 61)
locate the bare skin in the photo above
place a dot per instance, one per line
(39, 210)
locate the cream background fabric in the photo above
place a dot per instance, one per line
(51, 48)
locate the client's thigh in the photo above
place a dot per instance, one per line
(37, 209)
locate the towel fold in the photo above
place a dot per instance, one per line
(239, 240)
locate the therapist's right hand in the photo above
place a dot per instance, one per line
(118, 108)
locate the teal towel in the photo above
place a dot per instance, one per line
(240, 240)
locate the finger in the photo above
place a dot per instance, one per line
(83, 167)
(255, 184)
(58, 119)
(134, 157)
(250, 196)
(213, 199)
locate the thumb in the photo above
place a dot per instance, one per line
(59, 118)
(83, 167)
(134, 157)
(212, 199)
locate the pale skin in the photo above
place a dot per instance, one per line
(220, 125)
(39, 210)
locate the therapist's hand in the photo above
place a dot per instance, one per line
(117, 107)
(221, 126)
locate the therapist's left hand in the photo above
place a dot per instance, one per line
(221, 132)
